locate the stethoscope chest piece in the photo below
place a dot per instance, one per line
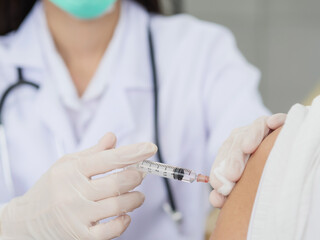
(176, 216)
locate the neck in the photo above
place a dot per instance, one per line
(81, 43)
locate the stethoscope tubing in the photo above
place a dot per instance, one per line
(21, 81)
(173, 211)
(5, 161)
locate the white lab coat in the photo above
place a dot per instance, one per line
(206, 88)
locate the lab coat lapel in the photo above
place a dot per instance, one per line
(53, 116)
(113, 115)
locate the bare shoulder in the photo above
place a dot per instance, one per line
(234, 217)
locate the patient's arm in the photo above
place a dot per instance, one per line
(235, 215)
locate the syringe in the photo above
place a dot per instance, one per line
(167, 171)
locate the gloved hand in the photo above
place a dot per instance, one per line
(234, 154)
(67, 204)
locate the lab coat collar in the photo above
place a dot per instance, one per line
(54, 118)
(25, 47)
(114, 114)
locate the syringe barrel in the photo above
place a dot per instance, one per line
(167, 171)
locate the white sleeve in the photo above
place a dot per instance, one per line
(231, 95)
(284, 205)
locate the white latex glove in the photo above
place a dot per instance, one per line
(234, 154)
(67, 204)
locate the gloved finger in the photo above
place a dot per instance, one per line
(108, 141)
(224, 150)
(219, 181)
(214, 181)
(115, 184)
(116, 206)
(254, 135)
(216, 199)
(227, 169)
(277, 120)
(108, 160)
(233, 165)
(111, 229)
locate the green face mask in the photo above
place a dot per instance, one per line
(84, 9)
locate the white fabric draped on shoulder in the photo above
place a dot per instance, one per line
(285, 199)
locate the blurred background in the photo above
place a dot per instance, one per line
(280, 37)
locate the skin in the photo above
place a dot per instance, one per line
(234, 218)
(81, 43)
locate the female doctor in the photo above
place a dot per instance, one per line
(72, 71)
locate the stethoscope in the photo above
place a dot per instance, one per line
(169, 207)
(6, 169)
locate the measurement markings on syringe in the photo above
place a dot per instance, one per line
(165, 174)
(157, 170)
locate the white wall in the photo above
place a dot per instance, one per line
(280, 37)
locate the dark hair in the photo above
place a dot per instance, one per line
(13, 12)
